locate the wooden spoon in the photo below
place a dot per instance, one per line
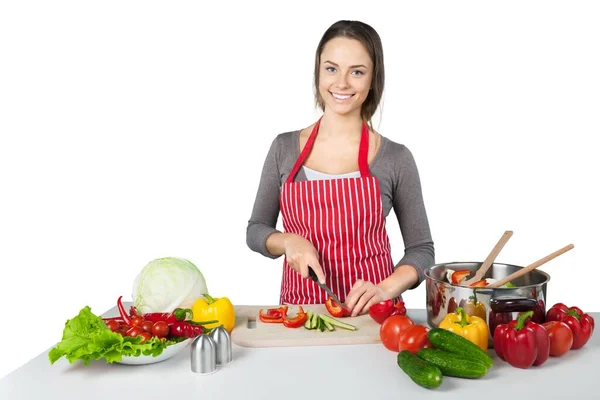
(529, 268)
(489, 260)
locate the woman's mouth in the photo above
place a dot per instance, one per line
(341, 97)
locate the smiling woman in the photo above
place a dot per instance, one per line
(335, 182)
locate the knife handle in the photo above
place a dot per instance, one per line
(312, 274)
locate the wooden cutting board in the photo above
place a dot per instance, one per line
(249, 331)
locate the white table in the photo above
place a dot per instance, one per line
(328, 372)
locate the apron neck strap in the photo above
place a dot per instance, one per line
(363, 152)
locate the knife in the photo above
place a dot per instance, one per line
(323, 286)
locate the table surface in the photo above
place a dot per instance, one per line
(351, 371)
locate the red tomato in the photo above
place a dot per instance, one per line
(160, 329)
(113, 325)
(561, 337)
(414, 338)
(147, 326)
(137, 320)
(390, 330)
(134, 331)
(145, 336)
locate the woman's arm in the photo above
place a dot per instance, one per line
(261, 226)
(409, 207)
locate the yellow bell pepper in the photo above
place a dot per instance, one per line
(472, 328)
(211, 309)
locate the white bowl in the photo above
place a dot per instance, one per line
(168, 352)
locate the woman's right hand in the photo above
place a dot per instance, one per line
(300, 254)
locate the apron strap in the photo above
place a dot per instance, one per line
(363, 152)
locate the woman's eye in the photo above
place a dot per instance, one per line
(330, 69)
(357, 72)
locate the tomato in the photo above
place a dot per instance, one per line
(390, 330)
(561, 337)
(134, 331)
(160, 329)
(414, 338)
(147, 326)
(137, 320)
(113, 325)
(145, 336)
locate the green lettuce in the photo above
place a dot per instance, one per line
(86, 337)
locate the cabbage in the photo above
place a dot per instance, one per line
(167, 283)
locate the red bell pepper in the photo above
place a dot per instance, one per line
(458, 276)
(480, 283)
(382, 310)
(581, 324)
(335, 309)
(522, 343)
(273, 315)
(297, 321)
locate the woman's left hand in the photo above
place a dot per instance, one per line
(362, 296)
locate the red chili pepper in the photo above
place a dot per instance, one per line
(179, 314)
(273, 315)
(123, 313)
(582, 325)
(385, 309)
(522, 343)
(335, 309)
(297, 321)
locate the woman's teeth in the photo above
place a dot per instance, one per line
(341, 96)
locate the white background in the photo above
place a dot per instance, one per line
(137, 130)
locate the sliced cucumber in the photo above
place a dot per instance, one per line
(328, 325)
(314, 321)
(337, 323)
(309, 315)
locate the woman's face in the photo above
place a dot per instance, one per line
(345, 75)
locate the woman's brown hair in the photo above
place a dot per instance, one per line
(365, 34)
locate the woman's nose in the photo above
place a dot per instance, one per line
(342, 81)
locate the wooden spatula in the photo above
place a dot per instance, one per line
(530, 267)
(489, 260)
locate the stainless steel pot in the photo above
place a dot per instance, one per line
(494, 305)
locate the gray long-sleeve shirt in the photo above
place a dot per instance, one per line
(400, 186)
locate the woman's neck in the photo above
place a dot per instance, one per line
(340, 126)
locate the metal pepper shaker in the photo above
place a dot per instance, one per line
(203, 355)
(223, 341)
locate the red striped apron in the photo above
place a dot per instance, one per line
(344, 220)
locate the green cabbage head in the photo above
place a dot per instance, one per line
(166, 284)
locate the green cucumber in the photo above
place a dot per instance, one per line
(309, 315)
(337, 323)
(314, 321)
(446, 340)
(328, 325)
(452, 364)
(422, 372)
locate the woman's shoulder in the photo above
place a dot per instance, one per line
(395, 152)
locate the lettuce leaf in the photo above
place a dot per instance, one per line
(86, 337)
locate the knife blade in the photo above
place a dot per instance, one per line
(313, 276)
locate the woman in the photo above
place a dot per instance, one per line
(335, 182)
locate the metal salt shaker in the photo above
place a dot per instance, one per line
(204, 355)
(222, 339)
